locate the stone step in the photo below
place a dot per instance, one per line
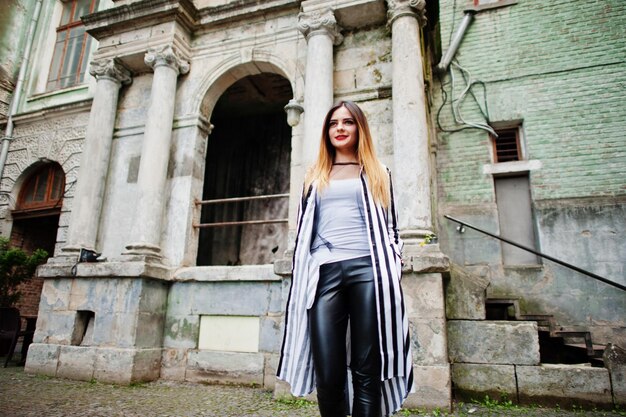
(493, 342)
(499, 309)
(566, 385)
(594, 351)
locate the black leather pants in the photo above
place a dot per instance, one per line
(346, 291)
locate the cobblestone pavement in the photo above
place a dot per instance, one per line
(23, 395)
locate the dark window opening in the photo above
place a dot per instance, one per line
(507, 145)
(248, 155)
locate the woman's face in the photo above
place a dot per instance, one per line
(343, 131)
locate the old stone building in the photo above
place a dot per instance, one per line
(172, 137)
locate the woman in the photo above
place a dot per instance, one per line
(345, 309)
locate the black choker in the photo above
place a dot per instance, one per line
(346, 163)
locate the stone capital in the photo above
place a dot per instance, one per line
(166, 55)
(413, 8)
(109, 68)
(320, 22)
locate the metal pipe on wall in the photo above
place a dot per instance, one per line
(456, 41)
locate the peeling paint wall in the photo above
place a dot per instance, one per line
(15, 17)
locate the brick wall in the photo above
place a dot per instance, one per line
(559, 66)
(28, 235)
(31, 292)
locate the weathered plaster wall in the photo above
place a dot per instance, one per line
(363, 73)
(213, 293)
(57, 136)
(15, 16)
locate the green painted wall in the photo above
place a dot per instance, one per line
(560, 66)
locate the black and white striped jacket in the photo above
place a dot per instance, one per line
(296, 362)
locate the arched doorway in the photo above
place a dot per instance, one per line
(248, 155)
(35, 223)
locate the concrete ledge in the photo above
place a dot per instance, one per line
(493, 342)
(146, 365)
(120, 269)
(174, 364)
(427, 258)
(432, 388)
(76, 362)
(42, 359)
(113, 365)
(225, 367)
(283, 267)
(474, 381)
(228, 273)
(565, 385)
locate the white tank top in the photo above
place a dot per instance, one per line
(339, 230)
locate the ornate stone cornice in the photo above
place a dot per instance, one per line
(320, 22)
(166, 55)
(109, 68)
(140, 14)
(399, 8)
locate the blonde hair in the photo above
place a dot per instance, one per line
(377, 175)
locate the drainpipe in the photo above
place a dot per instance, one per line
(17, 92)
(456, 41)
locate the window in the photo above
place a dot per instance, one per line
(506, 147)
(42, 191)
(69, 61)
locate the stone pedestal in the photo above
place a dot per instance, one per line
(109, 329)
(155, 152)
(410, 123)
(94, 165)
(321, 31)
(424, 300)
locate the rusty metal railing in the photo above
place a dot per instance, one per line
(236, 200)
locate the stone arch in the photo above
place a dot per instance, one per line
(248, 155)
(248, 61)
(58, 139)
(35, 212)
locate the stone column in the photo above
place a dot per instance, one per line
(321, 32)
(94, 164)
(155, 152)
(412, 174)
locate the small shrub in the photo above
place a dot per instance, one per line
(16, 266)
